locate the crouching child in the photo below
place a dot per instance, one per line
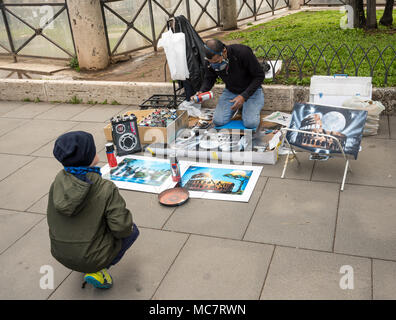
(90, 227)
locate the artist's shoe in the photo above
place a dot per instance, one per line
(101, 279)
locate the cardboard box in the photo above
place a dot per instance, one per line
(267, 157)
(150, 135)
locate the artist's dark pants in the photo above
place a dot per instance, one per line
(126, 244)
(188, 89)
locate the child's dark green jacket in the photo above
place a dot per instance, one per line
(86, 221)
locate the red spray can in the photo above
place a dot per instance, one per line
(203, 96)
(175, 169)
(111, 159)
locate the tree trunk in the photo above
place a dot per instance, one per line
(387, 18)
(359, 19)
(371, 14)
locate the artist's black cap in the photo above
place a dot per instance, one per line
(75, 149)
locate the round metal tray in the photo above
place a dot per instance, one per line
(174, 197)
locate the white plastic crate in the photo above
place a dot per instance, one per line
(334, 90)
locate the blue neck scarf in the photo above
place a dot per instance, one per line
(81, 172)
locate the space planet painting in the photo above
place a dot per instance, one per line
(344, 124)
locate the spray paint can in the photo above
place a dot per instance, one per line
(175, 169)
(203, 96)
(111, 159)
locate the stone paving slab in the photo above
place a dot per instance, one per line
(63, 111)
(13, 225)
(212, 268)
(294, 171)
(392, 127)
(139, 272)
(39, 206)
(216, 218)
(29, 110)
(384, 275)
(296, 213)
(37, 68)
(297, 274)
(8, 125)
(375, 165)
(94, 128)
(383, 130)
(35, 134)
(145, 209)
(10, 163)
(8, 106)
(99, 113)
(24, 187)
(20, 266)
(366, 224)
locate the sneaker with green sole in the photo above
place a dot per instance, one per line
(101, 279)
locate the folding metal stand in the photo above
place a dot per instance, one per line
(347, 165)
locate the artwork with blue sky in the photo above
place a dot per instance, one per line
(216, 180)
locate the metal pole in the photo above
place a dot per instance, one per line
(105, 27)
(347, 165)
(255, 10)
(7, 27)
(152, 25)
(345, 174)
(188, 10)
(218, 13)
(273, 7)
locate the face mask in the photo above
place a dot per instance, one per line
(219, 66)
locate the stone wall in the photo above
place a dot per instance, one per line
(277, 97)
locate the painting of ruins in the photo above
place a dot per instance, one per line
(216, 180)
(346, 125)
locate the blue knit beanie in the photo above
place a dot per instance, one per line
(75, 149)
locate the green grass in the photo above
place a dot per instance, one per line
(312, 29)
(75, 100)
(73, 63)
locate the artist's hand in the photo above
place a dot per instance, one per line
(238, 102)
(192, 97)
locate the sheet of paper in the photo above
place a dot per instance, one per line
(281, 118)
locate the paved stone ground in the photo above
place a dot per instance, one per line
(288, 242)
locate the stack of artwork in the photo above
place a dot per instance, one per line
(203, 180)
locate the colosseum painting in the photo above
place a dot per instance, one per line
(344, 124)
(217, 180)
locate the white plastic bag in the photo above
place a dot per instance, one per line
(193, 109)
(174, 45)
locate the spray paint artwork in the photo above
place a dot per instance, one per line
(344, 124)
(220, 182)
(216, 180)
(140, 174)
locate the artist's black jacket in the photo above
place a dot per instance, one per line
(244, 74)
(195, 52)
